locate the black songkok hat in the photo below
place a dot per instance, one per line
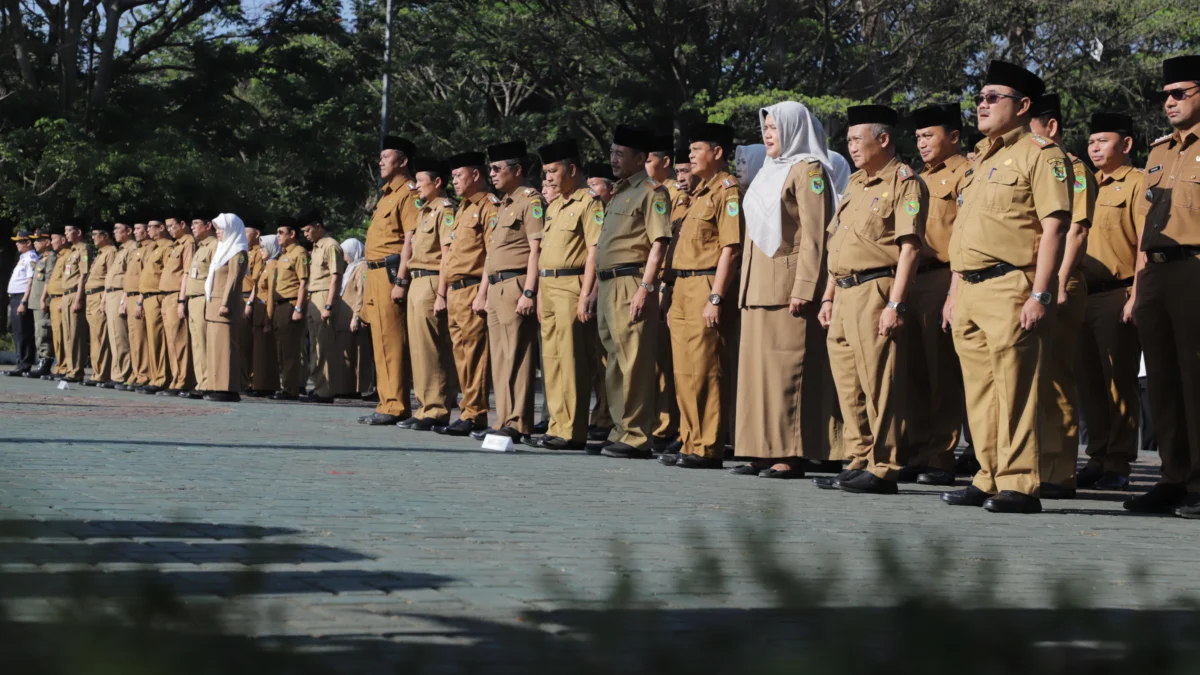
(467, 159)
(600, 170)
(664, 143)
(1049, 105)
(288, 222)
(60, 230)
(558, 151)
(102, 227)
(436, 167)
(634, 138)
(871, 114)
(510, 150)
(1181, 69)
(947, 115)
(708, 132)
(310, 217)
(683, 156)
(1009, 75)
(402, 144)
(1106, 121)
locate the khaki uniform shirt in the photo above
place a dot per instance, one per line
(519, 219)
(101, 264)
(876, 211)
(42, 272)
(115, 279)
(75, 265)
(395, 214)
(434, 226)
(55, 284)
(571, 222)
(254, 268)
(152, 264)
(713, 221)
(1112, 244)
(1083, 192)
(467, 251)
(198, 273)
(327, 260)
(634, 219)
(266, 287)
(1172, 196)
(292, 267)
(172, 274)
(944, 181)
(133, 267)
(1016, 180)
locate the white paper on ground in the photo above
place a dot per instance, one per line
(499, 443)
(62, 384)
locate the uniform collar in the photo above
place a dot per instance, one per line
(712, 183)
(577, 195)
(185, 239)
(1118, 175)
(889, 168)
(952, 163)
(293, 246)
(395, 184)
(129, 244)
(512, 196)
(479, 197)
(428, 206)
(1007, 139)
(634, 180)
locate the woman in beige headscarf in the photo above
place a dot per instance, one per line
(361, 359)
(266, 362)
(223, 310)
(784, 396)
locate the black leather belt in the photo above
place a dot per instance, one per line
(465, 282)
(1111, 285)
(418, 273)
(291, 300)
(503, 276)
(114, 290)
(564, 272)
(152, 294)
(52, 296)
(94, 291)
(623, 271)
(1166, 255)
(931, 266)
(69, 291)
(683, 274)
(863, 277)
(376, 264)
(201, 295)
(245, 295)
(977, 276)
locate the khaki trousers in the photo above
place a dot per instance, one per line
(469, 342)
(156, 341)
(56, 332)
(632, 351)
(699, 368)
(266, 360)
(867, 370)
(567, 361)
(289, 349)
(139, 352)
(246, 347)
(933, 422)
(599, 365)
(512, 339)
(198, 332)
(1002, 364)
(1059, 453)
(1106, 372)
(666, 404)
(98, 342)
(179, 352)
(75, 337)
(43, 334)
(118, 339)
(345, 349)
(432, 357)
(389, 335)
(326, 364)
(1169, 326)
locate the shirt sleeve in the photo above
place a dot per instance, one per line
(1050, 194)
(656, 213)
(407, 212)
(912, 206)
(302, 265)
(731, 222)
(1136, 181)
(534, 218)
(446, 226)
(337, 263)
(593, 220)
(814, 196)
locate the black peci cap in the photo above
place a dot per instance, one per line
(664, 143)
(558, 151)
(871, 114)
(1007, 74)
(505, 151)
(60, 230)
(462, 159)
(600, 170)
(436, 167)
(102, 227)
(311, 217)
(402, 144)
(1115, 122)
(947, 115)
(633, 137)
(1049, 105)
(683, 157)
(1181, 69)
(709, 132)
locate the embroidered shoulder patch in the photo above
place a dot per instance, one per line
(536, 211)
(1080, 183)
(1040, 141)
(593, 193)
(913, 207)
(729, 182)
(1059, 169)
(732, 208)
(817, 185)
(660, 207)
(1159, 141)
(448, 220)
(420, 203)
(495, 199)
(598, 217)
(904, 173)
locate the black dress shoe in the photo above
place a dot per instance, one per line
(967, 465)
(371, 398)
(459, 427)
(168, 392)
(407, 423)
(193, 395)
(1162, 498)
(1011, 501)
(867, 483)
(121, 386)
(790, 473)
(1055, 491)
(668, 459)
(698, 462)
(1111, 480)
(257, 393)
(378, 419)
(419, 423)
(746, 470)
(557, 443)
(223, 396)
(910, 474)
(541, 427)
(480, 434)
(833, 466)
(661, 443)
(284, 396)
(598, 433)
(971, 496)
(626, 451)
(1087, 477)
(516, 436)
(90, 383)
(936, 477)
(314, 398)
(107, 385)
(1190, 508)
(72, 380)
(149, 390)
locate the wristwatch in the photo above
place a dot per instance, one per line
(648, 287)
(714, 299)
(1043, 298)
(529, 294)
(296, 310)
(328, 307)
(180, 300)
(401, 282)
(900, 307)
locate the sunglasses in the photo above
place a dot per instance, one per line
(1178, 94)
(992, 98)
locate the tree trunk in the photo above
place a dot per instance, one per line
(108, 47)
(16, 26)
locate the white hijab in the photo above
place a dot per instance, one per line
(355, 253)
(801, 137)
(270, 245)
(748, 159)
(233, 243)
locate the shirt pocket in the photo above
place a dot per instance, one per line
(700, 225)
(619, 216)
(874, 222)
(1000, 189)
(1187, 192)
(1108, 214)
(941, 202)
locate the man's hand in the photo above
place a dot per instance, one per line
(889, 322)
(223, 310)
(797, 306)
(354, 324)
(296, 316)
(825, 314)
(525, 306)
(181, 310)
(637, 303)
(479, 304)
(326, 314)
(1127, 312)
(138, 313)
(711, 315)
(121, 310)
(1062, 298)
(439, 304)
(76, 305)
(46, 306)
(21, 308)
(1032, 314)
(248, 313)
(398, 293)
(583, 310)
(948, 313)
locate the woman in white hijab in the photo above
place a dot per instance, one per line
(785, 396)
(223, 309)
(265, 378)
(360, 354)
(748, 159)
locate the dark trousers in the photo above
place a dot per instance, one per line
(22, 330)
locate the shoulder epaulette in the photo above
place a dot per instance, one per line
(904, 173)
(812, 160)
(1162, 140)
(446, 202)
(729, 182)
(653, 183)
(593, 193)
(495, 199)
(529, 192)
(412, 185)
(1040, 141)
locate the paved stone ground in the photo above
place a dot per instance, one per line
(378, 534)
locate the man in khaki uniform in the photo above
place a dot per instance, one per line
(874, 244)
(324, 290)
(1060, 426)
(428, 330)
(116, 325)
(74, 310)
(42, 332)
(666, 432)
(1013, 210)
(1108, 353)
(629, 252)
(53, 299)
(93, 287)
(176, 261)
(384, 303)
(139, 357)
(193, 294)
(701, 266)
(150, 307)
(572, 219)
(1167, 278)
(933, 423)
(599, 180)
(254, 269)
(513, 245)
(287, 311)
(462, 271)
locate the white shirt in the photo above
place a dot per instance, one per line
(22, 273)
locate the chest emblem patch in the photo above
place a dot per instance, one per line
(537, 211)
(913, 207)
(1080, 184)
(660, 207)
(731, 208)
